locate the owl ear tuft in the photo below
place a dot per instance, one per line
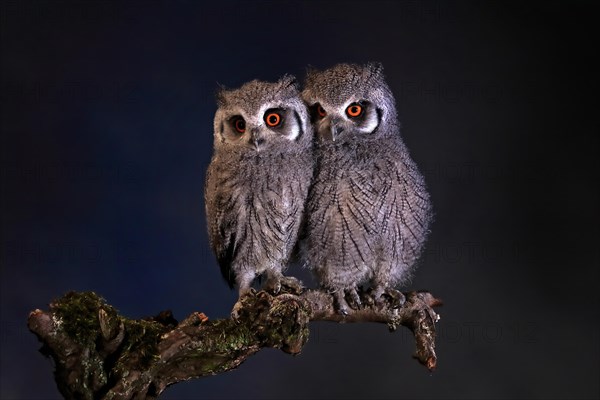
(376, 68)
(310, 72)
(289, 81)
(221, 95)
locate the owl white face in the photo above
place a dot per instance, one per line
(349, 100)
(271, 124)
(355, 116)
(262, 115)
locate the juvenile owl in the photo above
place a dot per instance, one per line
(368, 211)
(258, 181)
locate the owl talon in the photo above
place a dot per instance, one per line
(388, 297)
(247, 291)
(244, 292)
(353, 299)
(340, 303)
(236, 311)
(288, 283)
(343, 310)
(273, 283)
(273, 286)
(292, 284)
(395, 297)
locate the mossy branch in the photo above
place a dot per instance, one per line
(101, 355)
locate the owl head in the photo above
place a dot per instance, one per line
(261, 116)
(349, 100)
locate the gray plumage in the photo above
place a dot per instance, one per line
(368, 209)
(258, 180)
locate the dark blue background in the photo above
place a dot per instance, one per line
(106, 124)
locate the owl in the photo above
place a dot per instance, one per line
(368, 212)
(258, 180)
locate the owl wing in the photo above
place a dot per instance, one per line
(220, 230)
(406, 210)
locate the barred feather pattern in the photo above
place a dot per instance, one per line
(404, 213)
(368, 213)
(254, 215)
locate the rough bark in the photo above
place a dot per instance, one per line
(99, 354)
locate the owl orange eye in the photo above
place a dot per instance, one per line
(273, 119)
(354, 110)
(321, 111)
(240, 125)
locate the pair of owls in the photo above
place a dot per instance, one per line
(326, 164)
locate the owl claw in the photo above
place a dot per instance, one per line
(342, 309)
(340, 303)
(292, 284)
(388, 297)
(353, 299)
(237, 307)
(274, 284)
(236, 311)
(395, 297)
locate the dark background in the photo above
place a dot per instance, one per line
(106, 120)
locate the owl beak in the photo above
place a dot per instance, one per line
(256, 139)
(335, 128)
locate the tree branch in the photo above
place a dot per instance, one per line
(101, 355)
